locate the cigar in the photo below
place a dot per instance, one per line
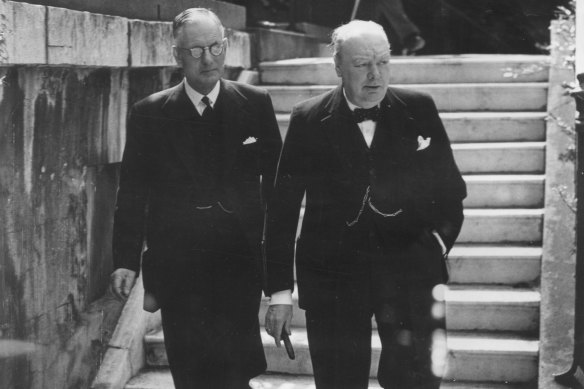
(287, 344)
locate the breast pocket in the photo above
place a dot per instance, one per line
(248, 160)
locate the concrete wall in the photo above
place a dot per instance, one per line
(233, 16)
(67, 80)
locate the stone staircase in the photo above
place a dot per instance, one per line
(493, 108)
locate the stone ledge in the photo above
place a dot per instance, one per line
(232, 16)
(125, 355)
(86, 39)
(151, 45)
(20, 45)
(35, 34)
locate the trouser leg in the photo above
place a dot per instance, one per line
(412, 332)
(198, 354)
(339, 340)
(393, 11)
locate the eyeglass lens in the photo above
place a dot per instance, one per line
(215, 49)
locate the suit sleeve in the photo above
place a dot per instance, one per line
(285, 205)
(132, 197)
(450, 190)
(271, 147)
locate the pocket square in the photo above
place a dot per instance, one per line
(250, 140)
(423, 143)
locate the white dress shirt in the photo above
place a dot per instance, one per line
(196, 97)
(367, 127)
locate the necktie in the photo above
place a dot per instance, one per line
(208, 111)
(361, 114)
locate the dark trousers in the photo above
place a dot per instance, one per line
(210, 319)
(339, 338)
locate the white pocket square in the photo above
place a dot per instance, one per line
(423, 143)
(250, 140)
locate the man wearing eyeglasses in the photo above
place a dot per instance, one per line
(193, 184)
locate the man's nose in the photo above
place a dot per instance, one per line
(373, 72)
(207, 57)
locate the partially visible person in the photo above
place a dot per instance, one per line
(195, 174)
(383, 209)
(392, 13)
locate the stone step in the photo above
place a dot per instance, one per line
(469, 307)
(313, 30)
(494, 264)
(480, 126)
(504, 191)
(161, 379)
(471, 265)
(417, 70)
(276, 44)
(502, 226)
(502, 157)
(471, 357)
(516, 97)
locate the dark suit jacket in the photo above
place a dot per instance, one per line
(160, 182)
(322, 156)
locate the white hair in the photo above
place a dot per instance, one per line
(354, 28)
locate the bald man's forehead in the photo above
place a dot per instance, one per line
(365, 45)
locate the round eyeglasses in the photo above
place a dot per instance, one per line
(215, 49)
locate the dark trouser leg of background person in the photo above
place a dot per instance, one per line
(408, 33)
(403, 33)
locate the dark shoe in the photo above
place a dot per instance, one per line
(412, 44)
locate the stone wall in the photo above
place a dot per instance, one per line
(67, 80)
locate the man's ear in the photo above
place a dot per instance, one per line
(337, 67)
(176, 56)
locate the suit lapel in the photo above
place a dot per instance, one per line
(341, 130)
(182, 113)
(396, 130)
(234, 119)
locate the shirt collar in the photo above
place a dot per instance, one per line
(196, 97)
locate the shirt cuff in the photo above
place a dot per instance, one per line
(282, 297)
(440, 242)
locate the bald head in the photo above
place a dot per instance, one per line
(361, 54)
(359, 29)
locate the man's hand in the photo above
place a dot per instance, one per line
(121, 282)
(278, 316)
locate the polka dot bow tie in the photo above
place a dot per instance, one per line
(361, 114)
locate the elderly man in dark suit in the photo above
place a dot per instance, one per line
(193, 184)
(383, 208)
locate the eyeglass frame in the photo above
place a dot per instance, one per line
(208, 49)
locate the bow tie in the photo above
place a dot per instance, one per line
(361, 114)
